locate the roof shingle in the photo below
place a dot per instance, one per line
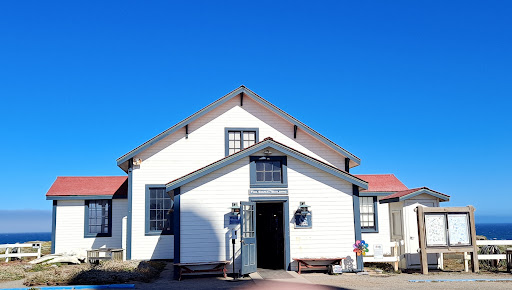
(382, 182)
(89, 185)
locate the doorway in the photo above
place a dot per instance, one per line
(270, 235)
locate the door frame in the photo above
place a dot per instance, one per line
(286, 217)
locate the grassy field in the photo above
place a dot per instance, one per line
(107, 272)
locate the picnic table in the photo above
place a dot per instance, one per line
(186, 268)
(306, 262)
(93, 255)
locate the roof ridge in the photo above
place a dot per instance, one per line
(231, 94)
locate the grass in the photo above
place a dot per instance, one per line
(106, 272)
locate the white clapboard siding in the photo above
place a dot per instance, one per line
(205, 208)
(330, 201)
(383, 236)
(175, 156)
(70, 224)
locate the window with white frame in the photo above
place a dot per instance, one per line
(238, 139)
(367, 208)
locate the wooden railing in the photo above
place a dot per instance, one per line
(14, 251)
(488, 256)
(393, 258)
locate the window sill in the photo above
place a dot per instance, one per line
(97, 235)
(369, 231)
(157, 234)
(269, 185)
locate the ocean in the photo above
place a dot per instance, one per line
(495, 231)
(6, 238)
(491, 231)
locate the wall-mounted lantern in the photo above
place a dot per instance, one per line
(303, 208)
(303, 216)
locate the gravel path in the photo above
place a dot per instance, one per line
(401, 281)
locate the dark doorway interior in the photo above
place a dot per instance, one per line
(270, 235)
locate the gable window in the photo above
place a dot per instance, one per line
(240, 138)
(159, 211)
(268, 171)
(98, 218)
(368, 214)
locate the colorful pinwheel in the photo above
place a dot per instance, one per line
(360, 247)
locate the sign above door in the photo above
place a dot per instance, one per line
(268, 191)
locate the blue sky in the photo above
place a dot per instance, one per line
(418, 89)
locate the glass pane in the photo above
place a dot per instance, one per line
(152, 214)
(268, 166)
(259, 176)
(276, 166)
(152, 225)
(152, 204)
(435, 227)
(152, 193)
(237, 136)
(268, 176)
(458, 229)
(259, 166)
(277, 176)
(231, 151)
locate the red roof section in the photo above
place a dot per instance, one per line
(90, 185)
(409, 191)
(382, 182)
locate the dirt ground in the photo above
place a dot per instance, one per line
(401, 281)
(321, 280)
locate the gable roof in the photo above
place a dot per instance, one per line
(88, 186)
(240, 90)
(267, 142)
(406, 194)
(382, 182)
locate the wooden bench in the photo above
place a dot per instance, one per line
(218, 266)
(93, 256)
(306, 262)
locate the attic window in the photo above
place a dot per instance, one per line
(240, 138)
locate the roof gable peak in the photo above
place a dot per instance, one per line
(242, 91)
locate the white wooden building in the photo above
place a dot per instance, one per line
(176, 197)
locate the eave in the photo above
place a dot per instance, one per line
(355, 161)
(266, 143)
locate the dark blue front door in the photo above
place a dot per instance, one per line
(248, 236)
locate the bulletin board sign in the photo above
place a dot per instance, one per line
(447, 230)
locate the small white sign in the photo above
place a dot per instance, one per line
(336, 269)
(378, 251)
(268, 191)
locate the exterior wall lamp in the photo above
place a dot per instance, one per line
(303, 217)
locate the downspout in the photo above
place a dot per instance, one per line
(357, 225)
(177, 234)
(54, 224)
(129, 217)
